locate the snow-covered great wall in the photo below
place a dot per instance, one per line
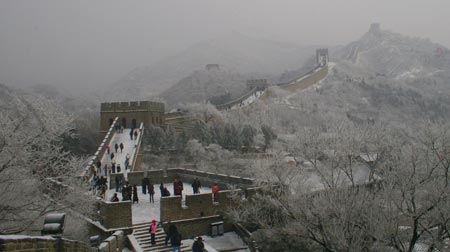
(300, 83)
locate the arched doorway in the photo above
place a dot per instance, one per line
(124, 122)
(133, 124)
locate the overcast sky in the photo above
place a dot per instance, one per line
(90, 43)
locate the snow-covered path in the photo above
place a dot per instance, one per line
(120, 156)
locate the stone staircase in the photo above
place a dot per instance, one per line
(142, 236)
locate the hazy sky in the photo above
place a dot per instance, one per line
(89, 43)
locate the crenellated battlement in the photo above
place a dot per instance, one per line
(131, 106)
(131, 114)
(260, 84)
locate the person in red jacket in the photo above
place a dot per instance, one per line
(152, 230)
(215, 190)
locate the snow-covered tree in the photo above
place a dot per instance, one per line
(36, 175)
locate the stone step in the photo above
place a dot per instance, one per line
(184, 248)
(145, 231)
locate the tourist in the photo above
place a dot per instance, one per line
(94, 182)
(113, 166)
(105, 169)
(116, 147)
(177, 187)
(165, 192)
(196, 186)
(112, 156)
(135, 134)
(215, 190)
(114, 198)
(198, 245)
(121, 147)
(171, 231)
(151, 192)
(117, 180)
(108, 149)
(144, 185)
(121, 129)
(175, 241)
(99, 164)
(161, 188)
(152, 230)
(131, 134)
(135, 194)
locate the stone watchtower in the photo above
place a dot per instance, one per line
(322, 57)
(259, 84)
(131, 114)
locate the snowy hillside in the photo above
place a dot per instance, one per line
(235, 51)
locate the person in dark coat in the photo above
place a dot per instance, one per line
(172, 230)
(161, 188)
(198, 245)
(121, 147)
(165, 192)
(135, 194)
(175, 241)
(116, 147)
(112, 156)
(131, 134)
(144, 185)
(114, 198)
(117, 183)
(151, 192)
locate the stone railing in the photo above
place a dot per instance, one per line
(186, 175)
(24, 243)
(137, 145)
(88, 169)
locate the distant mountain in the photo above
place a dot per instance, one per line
(383, 77)
(236, 52)
(394, 55)
(388, 77)
(202, 85)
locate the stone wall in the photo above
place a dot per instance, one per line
(307, 81)
(202, 205)
(89, 168)
(23, 243)
(147, 112)
(186, 175)
(115, 214)
(200, 226)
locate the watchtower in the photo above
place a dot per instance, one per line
(322, 57)
(131, 114)
(211, 67)
(259, 84)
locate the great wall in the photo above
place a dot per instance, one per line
(192, 214)
(258, 88)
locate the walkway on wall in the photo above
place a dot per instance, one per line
(253, 95)
(131, 145)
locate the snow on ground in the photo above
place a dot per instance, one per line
(144, 211)
(251, 99)
(119, 157)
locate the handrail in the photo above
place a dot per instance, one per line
(102, 148)
(138, 142)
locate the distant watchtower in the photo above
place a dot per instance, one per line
(375, 28)
(322, 57)
(259, 84)
(211, 67)
(131, 114)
